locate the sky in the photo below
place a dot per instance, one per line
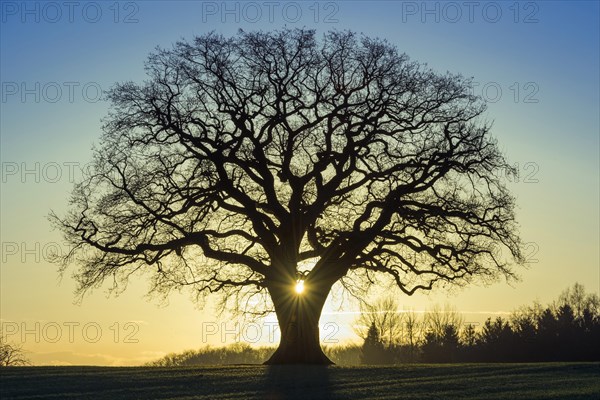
(535, 62)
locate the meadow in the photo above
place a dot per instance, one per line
(416, 381)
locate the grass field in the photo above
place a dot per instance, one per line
(455, 381)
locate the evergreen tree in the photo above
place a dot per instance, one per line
(496, 340)
(432, 348)
(450, 343)
(372, 351)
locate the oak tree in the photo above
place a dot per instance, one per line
(246, 164)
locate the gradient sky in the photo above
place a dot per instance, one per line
(536, 62)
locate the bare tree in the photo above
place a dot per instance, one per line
(245, 164)
(438, 319)
(577, 298)
(11, 354)
(384, 314)
(414, 331)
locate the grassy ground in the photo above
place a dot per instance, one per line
(465, 381)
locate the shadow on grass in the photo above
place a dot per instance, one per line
(288, 382)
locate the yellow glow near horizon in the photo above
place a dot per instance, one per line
(299, 287)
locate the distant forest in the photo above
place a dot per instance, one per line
(568, 329)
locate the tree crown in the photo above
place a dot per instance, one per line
(245, 161)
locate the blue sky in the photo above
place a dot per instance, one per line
(536, 62)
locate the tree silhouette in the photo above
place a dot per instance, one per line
(468, 343)
(525, 330)
(496, 340)
(384, 314)
(441, 346)
(245, 164)
(548, 334)
(11, 355)
(469, 336)
(373, 351)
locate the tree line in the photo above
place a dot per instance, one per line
(237, 353)
(568, 329)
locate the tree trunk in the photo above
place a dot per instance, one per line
(298, 316)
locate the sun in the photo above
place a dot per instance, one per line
(299, 287)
